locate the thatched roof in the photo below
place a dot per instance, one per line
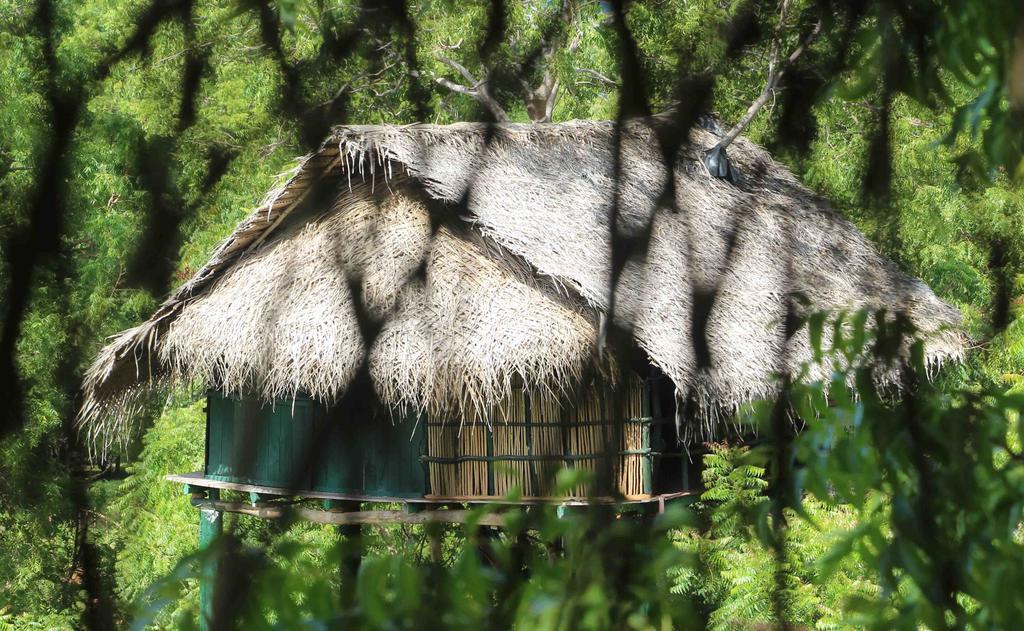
(514, 292)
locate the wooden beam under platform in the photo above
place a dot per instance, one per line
(371, 517)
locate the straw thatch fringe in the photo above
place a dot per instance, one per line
(518, 293)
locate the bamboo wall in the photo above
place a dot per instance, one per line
(521, 445)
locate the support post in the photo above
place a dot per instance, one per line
(211, 525)
(433, 531)
(351, 550)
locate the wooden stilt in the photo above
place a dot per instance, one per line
(434, 532)
(211, 525)
(352, 547)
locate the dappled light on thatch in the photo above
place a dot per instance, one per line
(517, 284)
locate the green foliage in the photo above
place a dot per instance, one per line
(934, 479)
(150, 524)
(865, 544)
(735, 573)
(609, 573)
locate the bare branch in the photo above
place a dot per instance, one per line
(549, 106)
(597, 75)
(541, 99)
(455, 87)
(454, 46)
(477, 89)
(813, 35)
(360, 82)
(466, 74)
(776, 70)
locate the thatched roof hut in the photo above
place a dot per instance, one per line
(511, 292)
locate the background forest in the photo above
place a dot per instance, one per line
(170, 120)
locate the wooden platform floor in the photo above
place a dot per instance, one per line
(199, 480)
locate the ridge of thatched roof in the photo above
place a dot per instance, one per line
(460, 334)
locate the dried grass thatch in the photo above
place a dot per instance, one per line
(516, 291)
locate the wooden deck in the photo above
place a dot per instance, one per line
(417, 510)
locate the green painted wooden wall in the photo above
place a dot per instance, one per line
(264, 445)
(372, 457)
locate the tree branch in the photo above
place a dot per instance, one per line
(466, 74)
(776, 70)
(540, 101)
(455, 87)
(477, 89)
(549, 104)
(597, 75)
